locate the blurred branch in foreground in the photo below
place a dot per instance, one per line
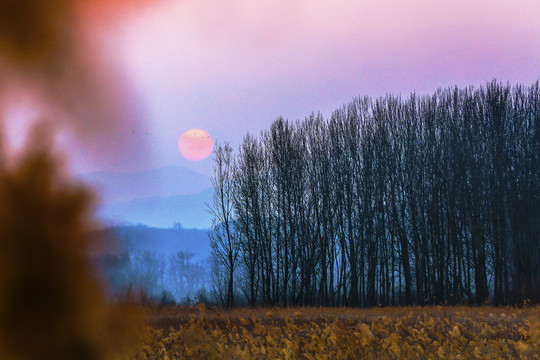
(51, 301)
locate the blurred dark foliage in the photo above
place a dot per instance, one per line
(51, 301)
(33, 31)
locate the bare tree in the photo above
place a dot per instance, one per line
(427, 200)
(224, 242)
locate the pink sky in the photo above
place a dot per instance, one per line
(229, 67)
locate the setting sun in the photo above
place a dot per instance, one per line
(195, 144)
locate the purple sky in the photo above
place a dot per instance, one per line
(229, 67)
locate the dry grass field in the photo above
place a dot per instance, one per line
(343, 333)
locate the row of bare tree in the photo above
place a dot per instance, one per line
(423, 200)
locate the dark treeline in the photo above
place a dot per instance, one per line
(424, 200)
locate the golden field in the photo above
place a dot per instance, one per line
(437, 332)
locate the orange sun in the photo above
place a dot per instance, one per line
(195, 144)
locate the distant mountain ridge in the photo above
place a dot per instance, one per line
(162, 212)
(165, 181)
(157, 240)
(158, 197)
